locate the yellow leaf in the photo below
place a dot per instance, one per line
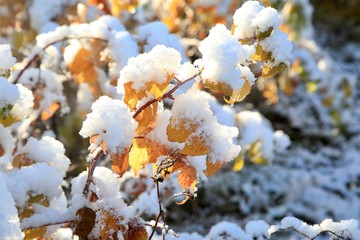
(34, 233)
(269, 71)
(240, 94)
(50, 111)
(138, 156)
(120, 162)
(238, 163)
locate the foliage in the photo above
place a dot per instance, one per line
(154, 113)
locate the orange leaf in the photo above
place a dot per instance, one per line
(187, 177)
(84, 71)
(196, 145)
(50, 111)
(240, 94)
(177, 130)
(120, 162)
(146, 119)
(110, 224)
(212, 168)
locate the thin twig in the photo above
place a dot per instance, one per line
(161, 211)
(33, 59)
(49, 224)
(166, 95)
(91, 170)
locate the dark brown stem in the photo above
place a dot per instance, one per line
(161, 211)
(166, 95)
(91, 170)
(33, 59)
(50, 224)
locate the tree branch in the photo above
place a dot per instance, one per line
(166, 95)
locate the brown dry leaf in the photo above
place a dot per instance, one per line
(110, 225)
(176, 131)
(212, 168)
(136, 230)
(84, 71)
(120, 162)
(196, 145)
(22, 160)
(84, 222)
(2, 151)
(50, 111)
(187, 177)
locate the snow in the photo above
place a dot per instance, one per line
(47, 150)
(7, 60)
(279, 46)
(228, 229)
(257, 230)
(7, 145)
(255, 128)
(24, 105)
(243, 19)
(35, 179)
(221, 55)
(122, 47)
(9, 220)
(9, 93)
(112, 121)
(155, 66)
(193, 108)
(157, 33)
